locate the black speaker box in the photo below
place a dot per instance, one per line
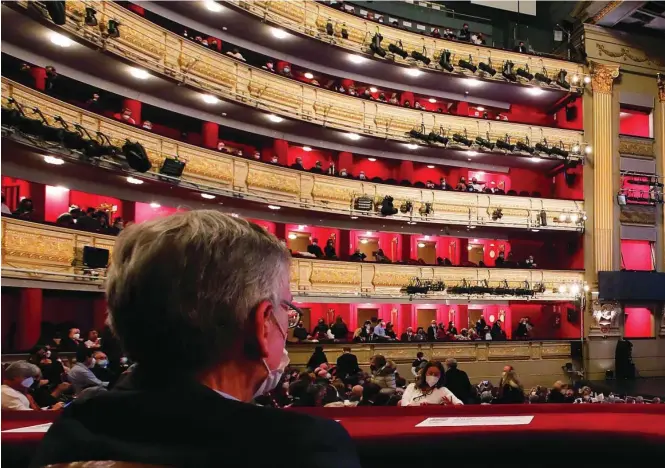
(94, 257)
(571, 113)
(576, 350)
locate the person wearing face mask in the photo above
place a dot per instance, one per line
(215, 289)
(101, 368)
(81, 375)
(17, 380)
(73, 342)
(429, 388)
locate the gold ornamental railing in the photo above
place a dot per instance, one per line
(226, 175)
(157, 49)
(39, 251)
(311, 18)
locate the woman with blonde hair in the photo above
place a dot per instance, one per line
(511, 390)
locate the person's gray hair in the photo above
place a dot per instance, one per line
(21, 369)
(451, 362)
(188, 283)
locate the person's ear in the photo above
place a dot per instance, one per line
(261, 319)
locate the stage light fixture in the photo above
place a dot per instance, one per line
(561, 79)
(524, 146)
(487, 67)
(559, 150)
(45, 130)
(71, 139)
(106, 148)
(330, 30)
(90, 16)
(508, 72)
(438, 137)
(444, 61)
(375, 46)
(505, 144)
(468, 65)
(543, 78)
(459, 138)
(398, 49)
(525, 73)
(421, 56)
(345, 31)
(113, 29)
(484, 142)
(56, 11)
(418, 133)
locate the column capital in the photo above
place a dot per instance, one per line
(602, 77)
(661, 86)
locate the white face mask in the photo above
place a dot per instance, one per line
(123, 360)
(274, 376)
(432, 380)
(103, 363)
(48, 354)
(76, 336)
(27, 383)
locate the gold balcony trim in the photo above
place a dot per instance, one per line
(157, 49)
(637, 146)
(310, 18)
(33, 250)
(227, 175)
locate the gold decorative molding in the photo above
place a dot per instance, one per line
(509, 351)
(628, 55)
(661, 87)
(638, 214)
(605, 10)
(602, 78)
(636, 147)
(265, 182)
(605, 318)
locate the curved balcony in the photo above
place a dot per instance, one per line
(165, 52)
(49, 253)
(226, 175)
(310, 18)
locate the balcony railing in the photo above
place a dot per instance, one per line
(220, 173)
(48, 253)
(311, 18)
(152, 47)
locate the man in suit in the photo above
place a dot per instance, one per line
(347, 364)
(431, 331)
(215, 290)
(457, 381)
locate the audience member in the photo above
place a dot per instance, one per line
(510, 388)
(383, 372)
(432, 331)
(17, 380)
(358, 256)
(24, 210)
(347, 364)
(339, 329)
(298, 164)
(457, 381)
(81, 375)
(317, 169)
(318, 357)
(429, 388)
(73, 342)
(418, 364)
(371, 392)
(300, 332)
(464, 34)
(329, 249)
(235, 53)
(520, 47)
(315, 249)
(408, 335)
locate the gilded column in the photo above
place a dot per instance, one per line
(602, 80)
(660, 138)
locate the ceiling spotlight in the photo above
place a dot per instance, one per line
(468, 64)
(208, 196)
(274, 207)
(209, 99)
(364, 241)
(373, 89)
(309, 76)
(588, 149)
(542, 77)
(60, 40)
(413, 72)
(155, 205)
(535, 91)
(368, 233)
(412, 146)
(432, 100)
(357, 59)
(371, 159)
(278, 33)
(134, 180)
(353, 136)
(421, 244)
(430, 166)
(473, 83)
(53, 160)
(275, 118)
(535, 230)
(535, 159)
(472, 153)
(411, 223)
(444, 61)
(354, 217)
(212, 6)
(139, 73)
(587, 80)
(480, 108)
(306, 148)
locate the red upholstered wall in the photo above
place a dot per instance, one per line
(385, 240)
(57, 202)
(20, 187)
(543, 318)
(635, 123)
(639, 322)
(322, 234)
(145, 212)
(531, 181)
(85, 200)
(574, 191)
(636, 255)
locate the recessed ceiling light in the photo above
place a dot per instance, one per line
(534, 91)
(535, 230)
(275, 118)
(353, 136)
(60, 40)
(587, 80)
(209, 99)
(357, 59)
(278, 33)
(472, 153)
(469, 159)
(139, 73)
(61, 188)
(411, 223)
(274, 207)
(224, 28)
(430, 166)
(373, 89)
(134, 180)
(53, 160)
(473, 83)
(412, 146)
(235, 215)
(155, 205)
(212, 6)
(306, 148)
(535, 159)
(223, 114)
(413, 72)
(309, 76)
(293, 236)
(371, 159)
(432, 100)
(480, 108)
(208, 196)
(368, 233)
(354, 217)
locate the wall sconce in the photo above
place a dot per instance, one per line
(492, 318)
(330, 315)
(451, 315)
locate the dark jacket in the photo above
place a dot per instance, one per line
(347, 364)
(179, 422)
(431, 333)
(458, 382)
(340, 331)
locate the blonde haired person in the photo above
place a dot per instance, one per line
(511, 390)
(429, 388)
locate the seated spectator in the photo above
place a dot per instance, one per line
(393, 99)
(65, 220)
(298, 164)
(300, 332)
(500, 260)
(147, 125)
(497, 332)
(343, 173)
(418, 363)
(339, 329)
(314, 248)
(408, 335)
(358, 256)
(24, 210)
(329, 249)
(418, 106)
(317, 169)
(420, 335)
(286, 71)
(380, 257)
(93, 341)
(117, 227)
(451, 328)
(429, 388)
(367, 94)
(87, 220)
(473, 335)
(361, 176)
(556, 394)
(461, 185)
(390, 331)
(436, 34)
(443, 184)
(529, 263)
(270, 66)
(72, 343)
(382, 98)
(370, 396)
(125, 116)
(407, 103)
(257, 156)
(17, 380)
(101, 368)
(449, 34)
(380, 332)
(487, 334)
(521, 48)
(510, 388)
(318, 357)
(235, 53)
(429, 184)
(464, 34)
(93, 104)
(383, 372)
(274, 160)
(81, 375)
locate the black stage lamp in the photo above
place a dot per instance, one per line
(561, 79)
(56, 11)
(46, 131)
(71, 139)
(525, 73)
(524, 146)
(459, 138)
(17, 118)
(113, 28)
(543, 78)
(398, 49)
(508, 72)
(375, 46)
(136, 156)
(172, 167)
(329, 28)
(505, 144)
(468, 65)
(91, 147)
(543, 147)
(484, 142)
(444, 61)
(487, 67)
(438, 137)
(559, 150)
(90, 16)
(418, 133)
(106, 148)
(421, 56)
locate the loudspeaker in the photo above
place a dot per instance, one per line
(94, 257)
(571, 315)
(571, 113)
(136, 157)
(56, 11)
(576, 350)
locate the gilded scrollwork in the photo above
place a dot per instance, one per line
(661, 87)
(636, 147)
(602, 78)
(628, 54)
